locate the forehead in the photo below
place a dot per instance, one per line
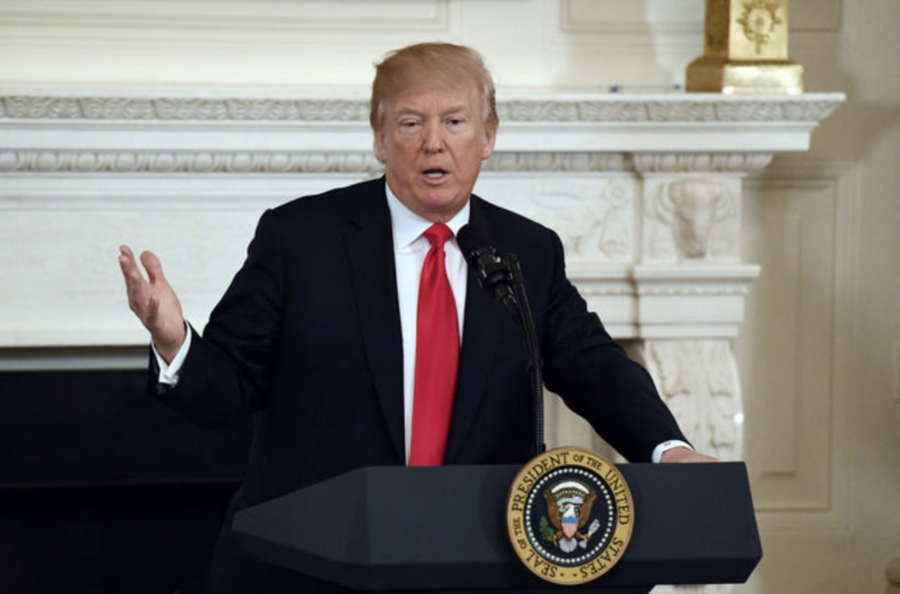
(437, 98)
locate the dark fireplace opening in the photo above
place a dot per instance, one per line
(103, 489)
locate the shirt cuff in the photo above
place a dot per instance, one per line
(665, 446)
(169, 372)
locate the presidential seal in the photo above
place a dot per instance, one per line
(569, 515)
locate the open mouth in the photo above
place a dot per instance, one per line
(435, 173)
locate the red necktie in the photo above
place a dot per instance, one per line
(437, 356)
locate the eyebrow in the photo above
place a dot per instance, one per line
(403, 110)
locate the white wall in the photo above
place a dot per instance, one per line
(823, 428)
(820, 352)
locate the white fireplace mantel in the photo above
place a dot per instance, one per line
(644, 190)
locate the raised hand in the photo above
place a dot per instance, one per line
(154, 303)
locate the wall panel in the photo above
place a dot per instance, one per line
(799, 225)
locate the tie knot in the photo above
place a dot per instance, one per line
(438, 234)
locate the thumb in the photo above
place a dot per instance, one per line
(153, 267)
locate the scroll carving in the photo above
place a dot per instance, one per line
(699, 382)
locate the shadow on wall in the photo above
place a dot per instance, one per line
(625, 47)
(857, 126)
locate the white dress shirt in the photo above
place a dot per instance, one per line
(410, 249)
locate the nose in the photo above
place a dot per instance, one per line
(433, 141)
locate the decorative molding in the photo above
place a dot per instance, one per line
(718, 279)
(696, 301)
(574, 109)
(672, 108)
(705, 162)
(693, 290)
(556, 161)
(197, 162)
(202, 161)
(600, 131)
(237, 109)
(244, 162)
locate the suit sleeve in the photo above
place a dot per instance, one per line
(596, 378)
(227, 372)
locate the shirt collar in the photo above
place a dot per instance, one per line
(409, 227)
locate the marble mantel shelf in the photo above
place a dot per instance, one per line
(644, 190)
(568, 123)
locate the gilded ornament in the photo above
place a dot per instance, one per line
(717, 26)
(759, 21)
(745, 50)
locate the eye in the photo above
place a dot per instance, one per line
(409, 125)
(455, 122)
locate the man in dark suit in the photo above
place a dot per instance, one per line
(322, 330)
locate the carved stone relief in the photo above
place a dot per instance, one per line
(594, 218)
(692, 219)
(699, 382)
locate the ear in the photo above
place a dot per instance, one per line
(490, 136)
(380, 148)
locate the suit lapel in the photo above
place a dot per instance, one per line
(371, 253)
(481, 330)
(370, 250)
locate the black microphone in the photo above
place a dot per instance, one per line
(491, 269)
(501, 276)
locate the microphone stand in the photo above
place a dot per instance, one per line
(533, 351)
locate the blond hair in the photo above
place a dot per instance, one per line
(444, 64)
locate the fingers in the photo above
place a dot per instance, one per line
(126, 262)
(685, 455)
(134, 281)
(153, 267)
(154, 303)
(140, 293)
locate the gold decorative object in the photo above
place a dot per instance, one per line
(745, 50)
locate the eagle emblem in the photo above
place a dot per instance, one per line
(570, 515)
(569, 506)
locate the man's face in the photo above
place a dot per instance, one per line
(432, 143)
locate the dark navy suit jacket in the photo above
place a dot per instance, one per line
(309, 334)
